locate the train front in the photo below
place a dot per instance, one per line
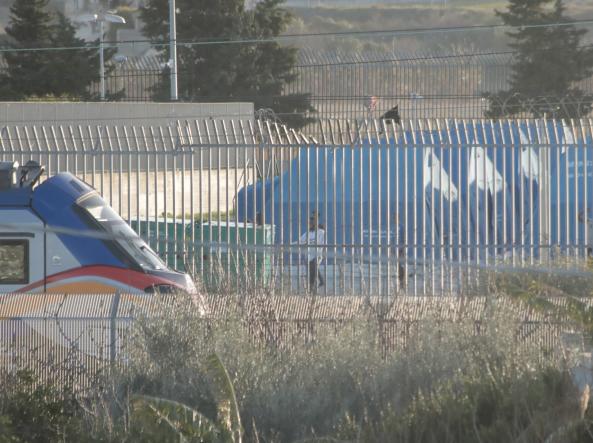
(89, 248)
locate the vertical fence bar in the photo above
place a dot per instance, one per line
(159, 222)
(558, 149)
(219, 250)
(426, 157)
(529, 191)
(180, 238)
(489, 186)
(129, 176)
(282, 220)
(361, 207)
(437, 239)
(576, 188)
(95, 149)
(120, 169)
(299, 199)
(200, 241)
(291, 239)
(343, 149)
(388, 239)
(588, 219)
(505, 148)
(494, 239)
(212, 251)
(74, 152)
(477, 150)
(172, 151)
(227, 168)
(265, 147)
(379, 191)
(408, 150)
(466, 185)
(256, 178)
(352, 251)
(567, 151)
(545, 176)
(166, 219)
(101, 154)
(453, 134)
(335, 260)
(246, 157)
(371, 153)
(512, 147)
(146, 173)
(397, 221)
(84, 151)
(56, 144)
(416, 151)
(521, 178)
(317, 205)
(270, 247)
(450, 151)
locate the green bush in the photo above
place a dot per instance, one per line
(189, 378)
(528, 408)
(31, 411)
(446, 380)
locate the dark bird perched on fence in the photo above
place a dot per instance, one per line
(392, 114)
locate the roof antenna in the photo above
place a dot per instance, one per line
(30, 173)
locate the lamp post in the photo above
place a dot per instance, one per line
(101, 19)
(173, 48)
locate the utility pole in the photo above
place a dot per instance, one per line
(101, 18)
(101, 60)
(173, 49)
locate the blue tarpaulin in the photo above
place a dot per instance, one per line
(453, 190)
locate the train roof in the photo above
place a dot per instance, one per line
(17, 182)
(18, 187)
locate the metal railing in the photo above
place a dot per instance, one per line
(70, 340)
(424, 85)
(425, 208)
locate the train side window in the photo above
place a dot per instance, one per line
(14, 262)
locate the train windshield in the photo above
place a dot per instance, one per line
(124, 236)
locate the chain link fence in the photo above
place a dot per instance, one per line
(343, 85)
(424, 85)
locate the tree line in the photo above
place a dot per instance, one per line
(549, 61)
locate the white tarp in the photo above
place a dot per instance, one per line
(435, 173)
(482, 171)
(529, 158)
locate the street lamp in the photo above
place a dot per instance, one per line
(102, 18)
(173, 48)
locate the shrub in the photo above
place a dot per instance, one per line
(343, 383)
(31, 411)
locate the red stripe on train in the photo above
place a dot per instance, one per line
(128, 277)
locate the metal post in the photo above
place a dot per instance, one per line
(173, 49)
(113, 328)
(101, 61)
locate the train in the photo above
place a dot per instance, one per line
(60, 236)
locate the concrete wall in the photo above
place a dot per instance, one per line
(117, 113)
